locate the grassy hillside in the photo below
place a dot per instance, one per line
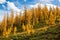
(52, 33)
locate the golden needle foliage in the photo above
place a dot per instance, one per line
(27, 20)
(15, 30)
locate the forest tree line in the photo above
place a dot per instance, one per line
(29, 20)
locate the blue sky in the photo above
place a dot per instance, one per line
(17, 5)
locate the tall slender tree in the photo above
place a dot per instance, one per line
(5, 24)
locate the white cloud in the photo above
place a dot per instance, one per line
(42, 5)
(2, 1)
(2, 14)
(11, 6)
(59, 0)
(45, 1)
(1, 18)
